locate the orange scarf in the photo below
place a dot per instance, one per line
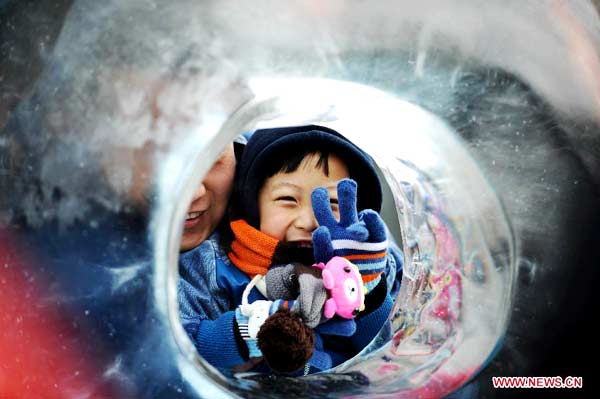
(252, 250)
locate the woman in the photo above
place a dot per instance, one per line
(201, 252)
(209, 202)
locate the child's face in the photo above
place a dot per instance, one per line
(285, 204)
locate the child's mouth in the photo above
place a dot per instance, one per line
(303, 243)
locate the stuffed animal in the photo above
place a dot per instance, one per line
(301, 298)
(273, 332)
(345, 286)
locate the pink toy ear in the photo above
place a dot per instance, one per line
(329, 308)
(328, 279)
(319, 265)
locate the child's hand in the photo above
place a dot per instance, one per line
(358, 237)
(337, 326)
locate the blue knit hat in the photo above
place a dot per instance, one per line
(266, 146)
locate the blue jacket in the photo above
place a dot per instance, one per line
(210, 289)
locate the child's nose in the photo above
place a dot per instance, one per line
(306, 219)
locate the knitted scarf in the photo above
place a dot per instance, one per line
(253, 251)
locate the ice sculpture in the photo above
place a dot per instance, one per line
(483, 118)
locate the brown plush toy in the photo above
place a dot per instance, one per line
(286, 342)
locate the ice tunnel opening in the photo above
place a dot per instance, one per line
(454, 300)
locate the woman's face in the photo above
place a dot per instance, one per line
(209, 202)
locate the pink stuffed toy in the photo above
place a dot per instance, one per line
(345, 286)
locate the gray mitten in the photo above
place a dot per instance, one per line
(302, 283)
(312, 296)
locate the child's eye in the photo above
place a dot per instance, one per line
(286, 198)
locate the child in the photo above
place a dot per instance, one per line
(278, 207)
(276, 177)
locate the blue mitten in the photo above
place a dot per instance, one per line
(337, 326)
(359, 237)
